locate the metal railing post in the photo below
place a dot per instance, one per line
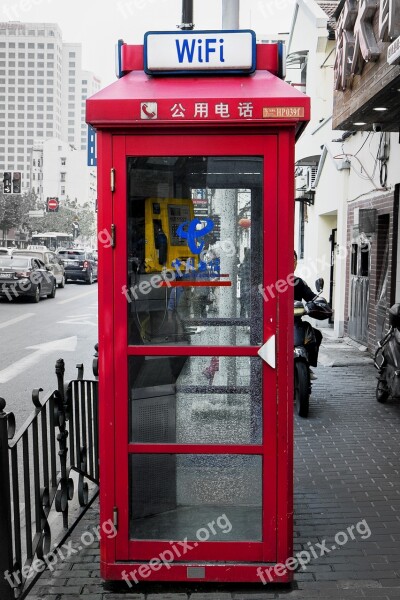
(7, 430)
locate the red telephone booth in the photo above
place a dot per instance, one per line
(195, 211)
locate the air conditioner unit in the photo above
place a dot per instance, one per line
(311, 176)
(301, 182)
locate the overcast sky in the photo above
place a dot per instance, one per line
(98, 24)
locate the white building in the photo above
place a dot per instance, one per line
(90, 86)
(58, 170)
(30, 91)
(320, 213)
(42, 93)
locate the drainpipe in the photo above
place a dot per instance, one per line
(230, 14)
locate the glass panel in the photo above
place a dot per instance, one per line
(195, 400)
(195, 496)
(193, 257)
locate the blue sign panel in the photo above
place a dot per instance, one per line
(91, 147)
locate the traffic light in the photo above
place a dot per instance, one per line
(52, 205)
(16, 182)
(7, 182)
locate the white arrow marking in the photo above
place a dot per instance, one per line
(16, 320)
(267, 352)
(64, 345)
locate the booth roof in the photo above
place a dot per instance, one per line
(120, 103)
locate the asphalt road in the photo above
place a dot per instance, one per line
(34, 336)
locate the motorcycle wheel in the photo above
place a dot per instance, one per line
(301, 389)
(382, 392)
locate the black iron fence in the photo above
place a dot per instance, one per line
(49, 477)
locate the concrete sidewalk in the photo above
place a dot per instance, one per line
(346, 476)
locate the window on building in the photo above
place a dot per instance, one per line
(62, 176)
(353, 259)
(364, 263)
(63, 160)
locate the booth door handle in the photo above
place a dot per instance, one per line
(267, 352)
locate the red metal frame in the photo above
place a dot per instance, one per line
(174, 146)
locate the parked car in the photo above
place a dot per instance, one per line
(4, 251)
(79, 265)
(50, 259)
(25, 276)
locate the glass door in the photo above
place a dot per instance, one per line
(196, 405)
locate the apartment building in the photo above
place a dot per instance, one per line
(42, 93)
(59, 170)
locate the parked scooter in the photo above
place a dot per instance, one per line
(387, 359)
(305, 343)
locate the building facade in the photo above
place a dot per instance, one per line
(347, 177)
(42, 93)
(59, 170)
(30, 91)
(367, 107)
(318, 212)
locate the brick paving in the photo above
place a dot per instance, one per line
(346, 474)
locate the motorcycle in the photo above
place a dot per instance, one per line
(306, 347)
(387, 359)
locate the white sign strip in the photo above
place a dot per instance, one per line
(200, 51)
